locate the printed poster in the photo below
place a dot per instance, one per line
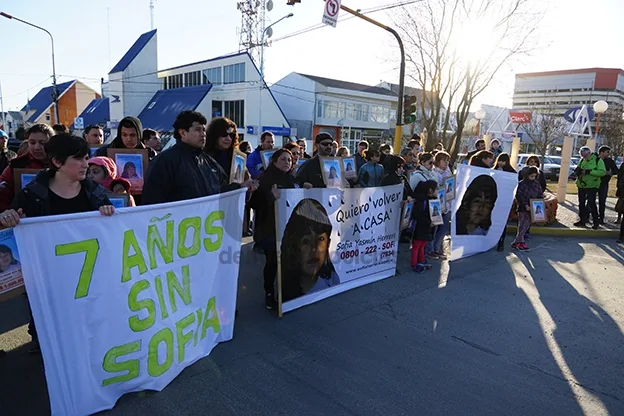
(10, 266)
(332, 240)
(125, 303)
(483, 200)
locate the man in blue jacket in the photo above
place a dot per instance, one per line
(254, 161)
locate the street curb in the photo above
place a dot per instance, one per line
(568, 232)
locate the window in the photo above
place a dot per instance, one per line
(47, 116)
(212, 76)
(164, 83)
(233, 74)
(235, 111)
(380, 114)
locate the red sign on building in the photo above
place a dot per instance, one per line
(520, 117)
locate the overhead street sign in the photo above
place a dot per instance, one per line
(330, 15)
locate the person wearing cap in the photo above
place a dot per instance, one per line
(6, 155)
(589, 172)
(310, 171)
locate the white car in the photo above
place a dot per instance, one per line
(550, 167)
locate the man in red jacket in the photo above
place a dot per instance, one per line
(35, 158)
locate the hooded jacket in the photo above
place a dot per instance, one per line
(527, 190)
(117, 143)
(263, 202)
(391, 177)
(184, 172)
(370, 175)
(423, 231)
(34, 199)
(109, 165)
(595, 168)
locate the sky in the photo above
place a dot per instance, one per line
(89, 42)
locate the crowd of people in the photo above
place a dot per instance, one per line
(70, 180)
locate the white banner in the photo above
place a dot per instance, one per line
(125, 303)
(332, 240)
(484, 199)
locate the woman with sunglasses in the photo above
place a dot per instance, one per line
(424, 171)
(222, 141)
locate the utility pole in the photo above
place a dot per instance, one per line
(398, 131)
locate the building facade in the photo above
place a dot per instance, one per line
(74, 97)
(560, 91)
(350, 112)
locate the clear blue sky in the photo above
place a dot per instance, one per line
(194, 30)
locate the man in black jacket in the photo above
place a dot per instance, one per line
(360, 160)
(604, 153)
(310, 171)
(185, 171)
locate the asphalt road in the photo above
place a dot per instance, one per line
(516, 334)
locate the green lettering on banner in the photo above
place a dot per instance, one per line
(184, 339)
(209, 244)
(193, 223)
(154, 240)
(91, 248)
(137, 324)
(161, 299)
(184, 290)
(110, 364)
(154, 368)
(134, 260)
(211, 318)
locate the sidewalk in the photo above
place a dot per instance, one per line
(567, 215)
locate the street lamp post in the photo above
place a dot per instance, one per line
(599, 107)
(54, 88)
(262, 70)
(479, 115)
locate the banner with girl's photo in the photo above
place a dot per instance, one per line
(483, 200)
(125, 303)
(332, 240)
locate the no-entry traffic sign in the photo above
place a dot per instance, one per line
(330, 15)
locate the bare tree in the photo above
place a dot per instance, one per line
(611, 129)
(434, 31)
(546, 128)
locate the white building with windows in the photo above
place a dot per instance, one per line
(350, 112)
(228, 86)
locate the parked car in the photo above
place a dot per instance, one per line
(573, 163)
(549, 167)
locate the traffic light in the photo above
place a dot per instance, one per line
(409, 109)
(292, 2)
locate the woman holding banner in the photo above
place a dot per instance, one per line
(277, 176)
(62, 189)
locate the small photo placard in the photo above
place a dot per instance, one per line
(442, 198)
(119, 200)
(406, 214)
(300, 163)
(11, 280)
(266, 157)
(538, 210)
(237, 171)
(349, 167)
(23, 177)
(449, 188)
(333, 173)
(435, 212)
(131, 165)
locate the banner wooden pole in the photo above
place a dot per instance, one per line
(591, 143)
(488, 140)
(515, 151)
(566, 156)
(279, 261)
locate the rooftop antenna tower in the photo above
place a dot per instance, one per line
(152, 13)
(253, 23)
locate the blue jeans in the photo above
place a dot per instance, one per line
(441, 232)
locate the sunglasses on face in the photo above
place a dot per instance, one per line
(325, 144)
(232, 135)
